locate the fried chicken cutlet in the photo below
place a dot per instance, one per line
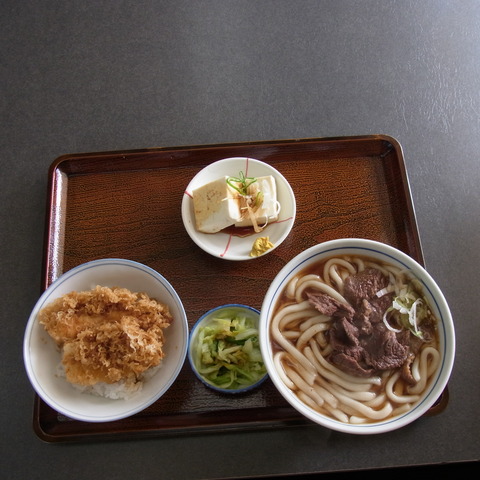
(107, 334)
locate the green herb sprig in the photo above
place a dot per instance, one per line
(244, 182)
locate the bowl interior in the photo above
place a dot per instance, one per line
(204, 320)
(432, 293)
(223, 245)
(42, 356)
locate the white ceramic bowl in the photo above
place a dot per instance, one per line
(41, 355)
(204, 320)
(433, 295)
(221, 244)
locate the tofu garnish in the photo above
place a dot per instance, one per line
(268, 209)
(216, 206)
(242, 202)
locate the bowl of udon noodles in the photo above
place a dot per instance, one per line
(357, 336)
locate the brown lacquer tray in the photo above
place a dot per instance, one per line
(127, 205)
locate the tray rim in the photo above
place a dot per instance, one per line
(55, 175)
(330, 139)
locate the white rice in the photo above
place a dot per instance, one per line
(115, 391)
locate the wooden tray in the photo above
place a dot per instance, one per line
(127, 205)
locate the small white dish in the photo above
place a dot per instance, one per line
(225, 245)
(42, 356)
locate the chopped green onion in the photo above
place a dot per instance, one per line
(244, 182)
(409, 310)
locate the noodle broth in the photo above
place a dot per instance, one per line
(354, 379)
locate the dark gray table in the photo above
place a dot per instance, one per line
(106, 75)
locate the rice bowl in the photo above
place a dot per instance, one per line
(42, 357)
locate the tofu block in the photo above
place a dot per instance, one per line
(269, 210)
(216, 206)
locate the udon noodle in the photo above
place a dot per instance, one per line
(302, 337)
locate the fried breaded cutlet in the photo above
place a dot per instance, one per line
(107, 334)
